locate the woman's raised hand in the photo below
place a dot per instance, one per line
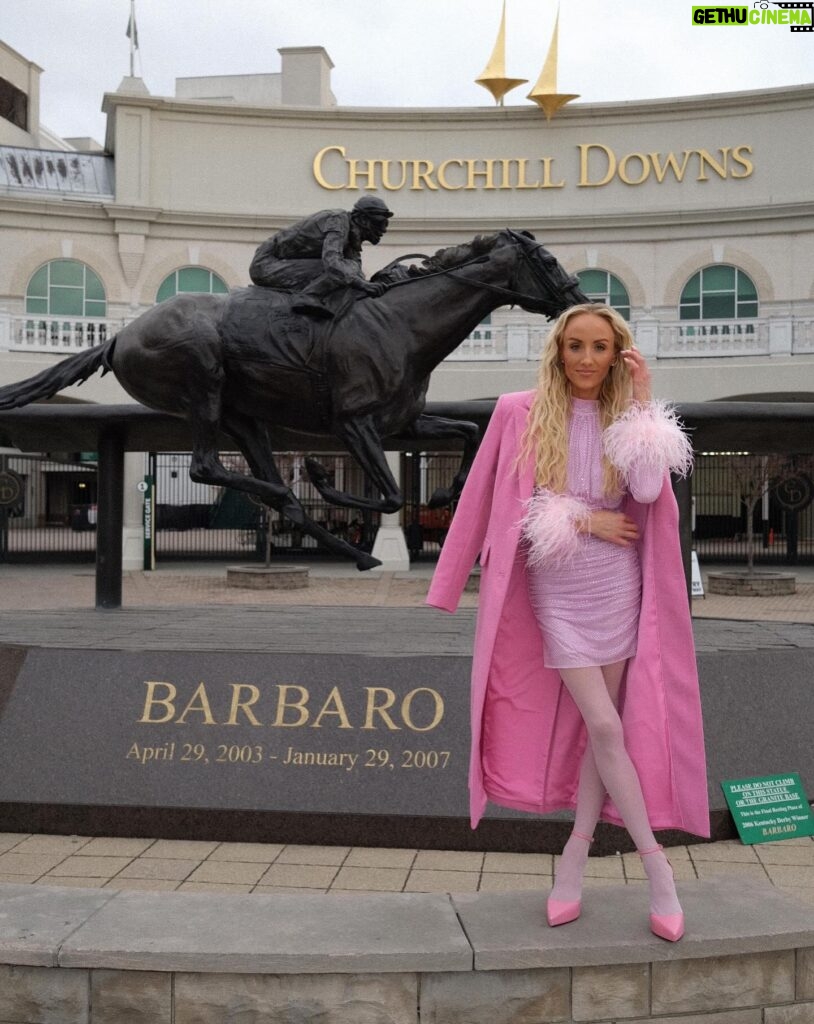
(639, 374)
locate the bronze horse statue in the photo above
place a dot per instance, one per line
(244, 362)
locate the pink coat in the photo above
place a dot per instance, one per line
(527, 734)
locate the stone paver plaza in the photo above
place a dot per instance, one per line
(195, 592)
(156, 931)
(181, 866)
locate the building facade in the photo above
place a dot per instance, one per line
(693, 215)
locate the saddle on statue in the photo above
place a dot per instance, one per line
(271, 326)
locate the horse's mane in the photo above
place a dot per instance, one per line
(455, 255)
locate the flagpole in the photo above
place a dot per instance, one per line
(132, 37)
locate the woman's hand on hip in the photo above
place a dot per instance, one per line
(614, 527)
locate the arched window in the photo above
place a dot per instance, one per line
(718, 292)
(65, 288)
(602, 286)
(191, 279)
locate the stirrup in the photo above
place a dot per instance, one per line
(581, 835)
(656, 849)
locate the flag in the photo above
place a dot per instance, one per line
(132, 31)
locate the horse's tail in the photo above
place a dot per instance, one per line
(74, 369)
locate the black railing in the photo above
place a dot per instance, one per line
(718, 429)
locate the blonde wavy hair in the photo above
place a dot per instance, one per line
(546, 434)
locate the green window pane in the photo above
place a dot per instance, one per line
(67, 272)
(194, 279)
(36, 305)
(623, 311)
(66, 301)
(746, 289)
(94, 289)
(744, 309)
(93, 308)
(167, 289)
(593, 281)
(218, 286)
(38, 285)
(719, 279)
(692, 289)
(618, 292)
(690, 311)
(719, 307)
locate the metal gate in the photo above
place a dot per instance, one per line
(201, 521)
(422, 473)
(47, 509)
(737, 505)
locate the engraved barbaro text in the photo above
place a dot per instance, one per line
(291, 706)
(216, 726)
(258, 754)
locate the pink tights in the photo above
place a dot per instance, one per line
(607, 768)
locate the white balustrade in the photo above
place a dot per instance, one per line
(699, 338)
(58, 335)
(803, 337)
(487, 343)
(675, 339)
(484, 344)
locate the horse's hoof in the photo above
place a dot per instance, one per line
(316, 471)
(364, 561)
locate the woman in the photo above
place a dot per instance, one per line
(585, 693)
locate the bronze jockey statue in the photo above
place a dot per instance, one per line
(320, 256)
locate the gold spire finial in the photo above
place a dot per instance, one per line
(545, 93)
(493, 77)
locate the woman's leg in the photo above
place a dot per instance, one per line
(590, 798)
(618, 774)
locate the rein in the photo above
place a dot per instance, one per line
(515, 297)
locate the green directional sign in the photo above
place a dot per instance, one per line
(769, 807)
(147, 488)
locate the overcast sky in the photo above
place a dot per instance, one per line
(395, 52)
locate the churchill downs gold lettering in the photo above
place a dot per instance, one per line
(291, 706)
(596, 165)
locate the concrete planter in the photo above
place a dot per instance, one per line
(740, 583)
(263, 577)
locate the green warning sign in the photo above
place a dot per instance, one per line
(769, 808)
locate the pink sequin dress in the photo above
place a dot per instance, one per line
(588, 608)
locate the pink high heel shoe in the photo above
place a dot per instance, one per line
(565, 911)
(665, 926)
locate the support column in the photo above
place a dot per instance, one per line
(390, 547)
(781, 335)
(110, 521)
(646, 332)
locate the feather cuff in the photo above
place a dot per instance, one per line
(550, 527)
(648, 433)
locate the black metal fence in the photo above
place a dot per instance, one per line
(195, 521)
(48, 510)
(422, 473)
(739, 503)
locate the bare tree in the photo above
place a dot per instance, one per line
(756, 475)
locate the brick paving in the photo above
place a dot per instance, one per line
(179, 866)
(63, 587)
(171, 865)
